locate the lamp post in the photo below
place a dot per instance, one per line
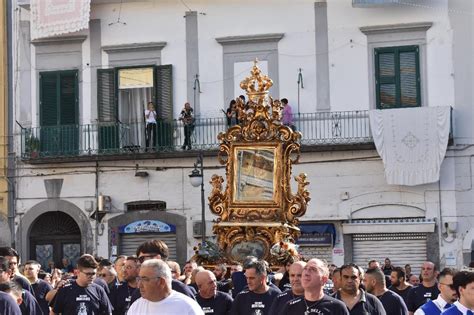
(197, 178)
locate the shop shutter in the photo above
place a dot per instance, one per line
(130, 242)
(401, 248)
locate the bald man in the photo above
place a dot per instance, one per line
(427, 290)
(314, 301)
(211, 300)
(295, 272)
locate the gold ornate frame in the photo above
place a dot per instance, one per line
(257, 218)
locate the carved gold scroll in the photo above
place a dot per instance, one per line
(257, 207)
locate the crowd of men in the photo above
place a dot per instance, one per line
(149, 283)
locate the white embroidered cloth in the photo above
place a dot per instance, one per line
(56, 17)
(412, 142)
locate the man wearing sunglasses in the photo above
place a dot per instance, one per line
(154, 282)
(463, 283)
(446, 297)
(121, 296)
(14, 261)
(26, 301)
(83, 296)
(157, 249)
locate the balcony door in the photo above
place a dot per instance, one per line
(123, 95)
(59, 97)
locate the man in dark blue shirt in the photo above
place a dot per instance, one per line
(375, 284)
(8, 306)
(295, 271)
(427, 290)
(25, 300)
(357, 300)
(121, 296)
(13, 262)
(314, 302)
(211, 300)
(83, 296)
(40, 287)
(259, 296)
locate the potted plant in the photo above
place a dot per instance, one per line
(32, 145)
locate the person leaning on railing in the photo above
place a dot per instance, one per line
(187, 117)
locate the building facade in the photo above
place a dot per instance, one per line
(86, 180)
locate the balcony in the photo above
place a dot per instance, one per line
(118, 141)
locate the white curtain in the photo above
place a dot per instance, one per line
(412, 142)
(132, 104)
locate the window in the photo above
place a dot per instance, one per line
(397, 72)
(59, 100)
(123, 95)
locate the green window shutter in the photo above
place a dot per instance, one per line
(106, 91)
(409, 77)
(68, 97)
(164, 106)
(164, 91)
(397, 77)
(49, 90)
(107, 105)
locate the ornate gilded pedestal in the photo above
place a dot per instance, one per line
(257, 208)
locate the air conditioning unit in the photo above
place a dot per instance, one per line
(197, 229)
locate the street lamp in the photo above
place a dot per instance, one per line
(197, 178)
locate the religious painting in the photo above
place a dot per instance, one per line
(243, 249)
(254, 176)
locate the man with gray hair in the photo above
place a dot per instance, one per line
(259, 297)
(211, 300)
(157, 297)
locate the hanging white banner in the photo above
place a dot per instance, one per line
(57, 17)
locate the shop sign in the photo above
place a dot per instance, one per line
(147, 226)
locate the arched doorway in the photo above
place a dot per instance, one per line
(55, 235)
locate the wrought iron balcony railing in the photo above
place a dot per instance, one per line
(318, 129)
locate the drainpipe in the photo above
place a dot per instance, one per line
(97, 208)
(10, 150)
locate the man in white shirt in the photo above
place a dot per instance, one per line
(157, 297)
(446, 297)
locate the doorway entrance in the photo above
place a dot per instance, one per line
(55, 235)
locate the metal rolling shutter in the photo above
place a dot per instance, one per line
(401, 248)
(321, 252)
(130, 242)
